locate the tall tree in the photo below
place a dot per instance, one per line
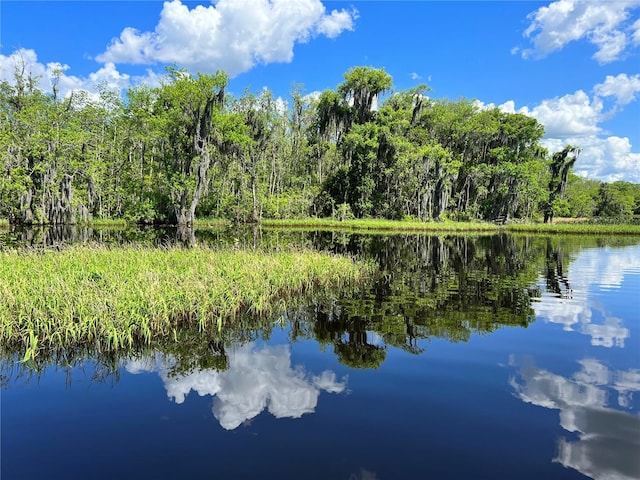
(187, 109)
(561, 164)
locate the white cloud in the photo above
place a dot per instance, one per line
(256, 379)
(576, 310)
(52, 72)
(334, 24)
(576, 118)
(611, 45)
(635, 32)
(232, 35)
(609, 159)
(608, 441)
(623, 87)
(603, 24)
(414, 76)
(570, 115)
(313, 97)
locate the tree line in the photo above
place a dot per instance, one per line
(188, 149)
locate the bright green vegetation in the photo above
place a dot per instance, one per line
(443, 286)
(391, 226)
(381, 225)
(185, 150)
(576, 228)
(120, 298)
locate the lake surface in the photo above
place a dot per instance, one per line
(469, 357)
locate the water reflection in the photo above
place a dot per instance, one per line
(570, 299)
(608, 438)
(256, 379)
(418, 416)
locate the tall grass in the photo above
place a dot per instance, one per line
(390, 226)
(123, 297)
(381, 225)
(576, 228)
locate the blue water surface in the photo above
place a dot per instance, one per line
(558, 399)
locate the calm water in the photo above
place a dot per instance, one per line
(470, 357)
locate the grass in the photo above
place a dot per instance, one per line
(390, 226)
(211, 222)
(560, 225)
(124, 297)
(381, 225)
(575, 228)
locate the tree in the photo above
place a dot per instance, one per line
(561, 164)
(187, 111)
(615, 200)
(361, 87)
(46, 143)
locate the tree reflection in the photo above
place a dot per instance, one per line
(446, 286)
(429, 286)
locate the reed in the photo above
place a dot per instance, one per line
(125, 297)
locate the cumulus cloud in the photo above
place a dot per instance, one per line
(338, 21)
(576, 119)
(604, 24)
(610, 159)
(25, 62)
(256, 379)
(570, 115)
(232, 35)
(608, 439)
(623, 87)
(47, 75)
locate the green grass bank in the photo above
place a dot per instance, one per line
(391, 226)
(124, 297)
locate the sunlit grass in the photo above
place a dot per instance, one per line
(211, 222)
(106, 222)
(575, 228)
(390, 226)
(381, 225)
(122, 297)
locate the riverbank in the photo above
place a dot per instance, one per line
(560, 226)
(390, 226)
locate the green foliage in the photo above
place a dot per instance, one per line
(121, 298)
(615, 200)
(168, 153)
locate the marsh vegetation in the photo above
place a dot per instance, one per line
(113, 298)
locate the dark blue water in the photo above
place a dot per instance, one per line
(516, 366)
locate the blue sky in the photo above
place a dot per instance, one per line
(573, 65)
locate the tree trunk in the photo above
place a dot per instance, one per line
(26, 208)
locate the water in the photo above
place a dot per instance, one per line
(470, 357)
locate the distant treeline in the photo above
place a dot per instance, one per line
(184, 149)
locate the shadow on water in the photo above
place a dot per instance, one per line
(153, 236)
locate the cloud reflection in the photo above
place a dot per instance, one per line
(257, 379)
(608, 439)
(576, 309)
